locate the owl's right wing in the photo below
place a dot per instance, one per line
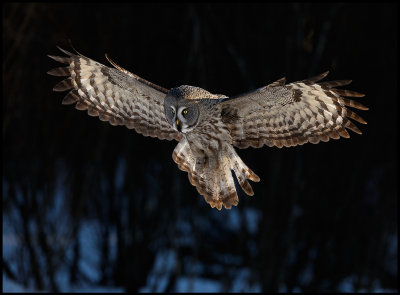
(114, 94)
(292, 114)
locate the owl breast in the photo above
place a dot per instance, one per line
(209, 137)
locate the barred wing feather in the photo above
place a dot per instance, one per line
(114, 95)
(293, 114)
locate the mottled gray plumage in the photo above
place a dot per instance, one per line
(207, 125)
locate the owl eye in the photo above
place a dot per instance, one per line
(185, 111)
(173, 111)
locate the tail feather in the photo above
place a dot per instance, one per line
(212, 176)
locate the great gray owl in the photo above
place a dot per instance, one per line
(208, 126)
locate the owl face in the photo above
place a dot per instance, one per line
(182, 114)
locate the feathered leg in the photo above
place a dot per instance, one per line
(212, 174)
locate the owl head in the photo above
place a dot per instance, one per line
(181, 107)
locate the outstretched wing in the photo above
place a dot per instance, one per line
(292, 114)
(114, 94)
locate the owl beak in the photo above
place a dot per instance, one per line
(178, 125)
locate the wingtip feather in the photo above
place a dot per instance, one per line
(64, 51)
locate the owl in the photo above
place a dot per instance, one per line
(209, 126)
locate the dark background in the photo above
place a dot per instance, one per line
(323, 217)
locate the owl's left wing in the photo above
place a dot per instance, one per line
(293, 114)
(114, 95)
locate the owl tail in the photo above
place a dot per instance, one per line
(242, 172)
(212, 176)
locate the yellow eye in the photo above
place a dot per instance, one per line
(185, 112)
